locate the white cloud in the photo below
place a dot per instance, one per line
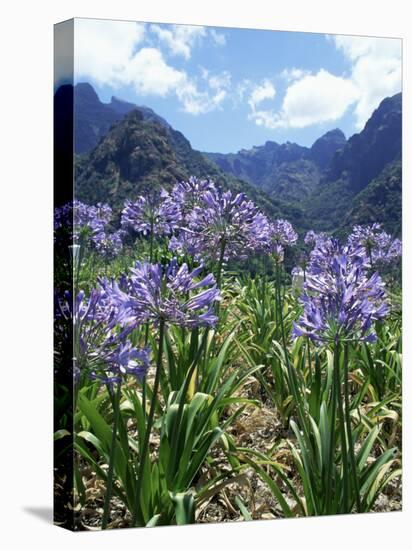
(293, 74)
(321, 97)
(260, 93)
(376, 70)
(219, 81)
(313, 99)
(218, 37)
(116, 53)
(196, 101)
(241, 90)
(268, 119)
(179, 39)
(148, 72)
(103, 48)
(355, 47)
(324, 97)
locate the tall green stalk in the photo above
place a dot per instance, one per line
(151, 240)
(291, 373)
(220, 262)
(277, 299)
(309, 358)
(344, 452)
(332, 439)
(146, 335)
(144, 449)
(109, 485)
(217, 304)
(349, 430)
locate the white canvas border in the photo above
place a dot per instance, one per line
(26, 272)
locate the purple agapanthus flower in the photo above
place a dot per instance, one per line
(188, 194)
(368, 236)
(282, 232)
(169, 293)
(183, 244)
(108, 244)
(159, 215)
(395, 250)
(339, 299)
(86, 225)
(78, 217)
(379, 247)
(122, 361)
(313, 241)
(326, 249)
(276, 236)
(312, 238)
(222, 226)
(99, 335)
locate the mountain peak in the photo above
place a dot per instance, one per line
(336, 133)
(379, 143)
(390, 107)
(270, 145)
(324, 148)
(120, 105)
(86, 92)
(94, 118)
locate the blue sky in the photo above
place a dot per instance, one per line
(228, 89)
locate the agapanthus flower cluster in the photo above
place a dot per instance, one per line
(340, 300)
(108, 244)
(87, 225)
(188, 194)
(96, 327)
(222, 226)
(282, 232)
(80, 217)
(280, 235)
(394, 251)
(312, 238)
(184, 244)
(170, 293)
(148, 215)
(326, 249)
(312, 241)
(379, 247)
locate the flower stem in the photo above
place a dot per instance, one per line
(217, 304)
(332, 436)
(109, 486)
(220, 263)
(349, 431)
(344, 452)
(309, 356)
(276, 303)
(151, 240)
(145, 448)
(291, 373)
(146, 332)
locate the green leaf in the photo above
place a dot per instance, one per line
(154, 521)
(59, 434)
(184, 505)
(243, 510)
